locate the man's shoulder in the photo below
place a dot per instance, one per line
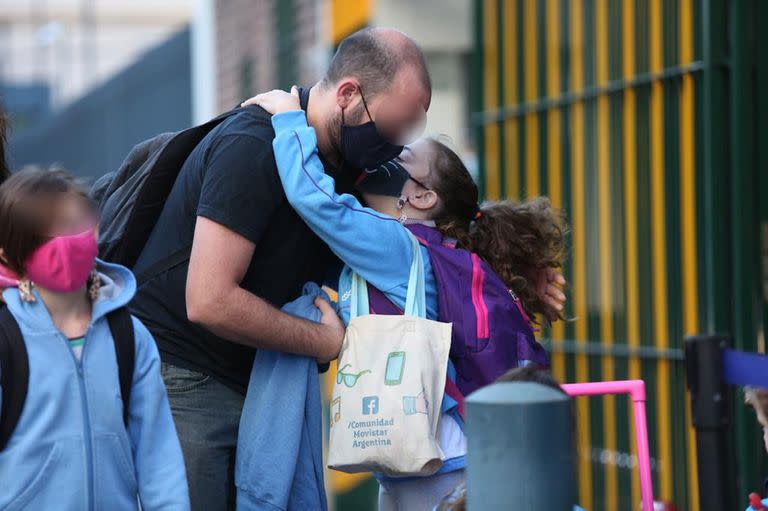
(252, 124)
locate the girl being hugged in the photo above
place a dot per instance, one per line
(426, 191)
(78, 442)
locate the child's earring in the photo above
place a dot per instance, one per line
(94, 285)
(401, 206)
(25, 291)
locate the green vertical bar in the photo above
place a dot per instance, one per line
(286, 43)
(476, 87)
(521, 132)
(624, 440)
(716, 235)
(644, 198)
(744, 228)
(671, 124)
(761, 142)
(541, 35)
(715, 137)
(699, 128)
(591, 201)
(503, 167)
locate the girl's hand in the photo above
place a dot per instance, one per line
(276, 101)
(549, 288)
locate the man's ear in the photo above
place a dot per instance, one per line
(423, 199)
(345, 92)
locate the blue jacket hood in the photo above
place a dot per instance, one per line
(118, 286)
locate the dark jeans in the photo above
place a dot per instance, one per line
(207, 417)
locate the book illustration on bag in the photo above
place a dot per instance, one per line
(349, 379)
(415, 404)
(335, 411)
(393, 375)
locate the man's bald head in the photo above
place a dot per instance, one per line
(375, 56)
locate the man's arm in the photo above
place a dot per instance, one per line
(220, 258)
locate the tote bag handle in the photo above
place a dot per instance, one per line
(415, 299)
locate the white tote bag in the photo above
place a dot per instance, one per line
(389, 386)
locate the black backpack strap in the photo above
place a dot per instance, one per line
(163, 265)
(121, 326)
(14, 374)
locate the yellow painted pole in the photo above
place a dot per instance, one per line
(659, 254)
(604, 142)
(688, 225)
(579, 248)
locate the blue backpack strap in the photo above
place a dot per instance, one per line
(121, 327)
(14, 374)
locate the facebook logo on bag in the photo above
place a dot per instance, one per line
(371, 405)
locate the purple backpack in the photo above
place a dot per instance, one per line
(491, 333)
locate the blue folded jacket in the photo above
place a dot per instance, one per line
(280, 444)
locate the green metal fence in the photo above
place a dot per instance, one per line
(643, 120)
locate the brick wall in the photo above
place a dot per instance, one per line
(246, 49)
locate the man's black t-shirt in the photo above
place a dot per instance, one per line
(230, 178)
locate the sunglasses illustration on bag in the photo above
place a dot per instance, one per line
(349, 379)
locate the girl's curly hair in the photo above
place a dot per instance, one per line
(518, 240)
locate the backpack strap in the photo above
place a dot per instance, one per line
(121, 326)
(14, 374)
(163, 265)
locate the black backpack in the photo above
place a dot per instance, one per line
(14, 366)
(131, 199)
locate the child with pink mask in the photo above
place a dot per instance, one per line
(83, 435)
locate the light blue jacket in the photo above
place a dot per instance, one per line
(370, 243)
(70, 449)
(765, 504)
(280, 441)
(373, 244)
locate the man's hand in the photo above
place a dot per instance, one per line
(549, 288)
(276, 101)
(335, 328)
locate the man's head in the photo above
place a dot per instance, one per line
(377, 75)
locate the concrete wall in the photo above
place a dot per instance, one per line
(93, 135)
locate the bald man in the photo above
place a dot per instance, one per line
(251, 253)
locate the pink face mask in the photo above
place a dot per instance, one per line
(63, 263)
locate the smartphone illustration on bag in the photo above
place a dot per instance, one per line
(393, 375)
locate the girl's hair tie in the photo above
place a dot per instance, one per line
(478, 214)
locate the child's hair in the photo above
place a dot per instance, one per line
(517, 240)
(757, 398)
(531, 373)
(5, 172)
(28, 202)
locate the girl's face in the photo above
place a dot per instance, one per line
(416, 160)
(72, 215)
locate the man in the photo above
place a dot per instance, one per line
(251, 253)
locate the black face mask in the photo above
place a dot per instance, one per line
(387, 179)
(345, 178)
(363, 147)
